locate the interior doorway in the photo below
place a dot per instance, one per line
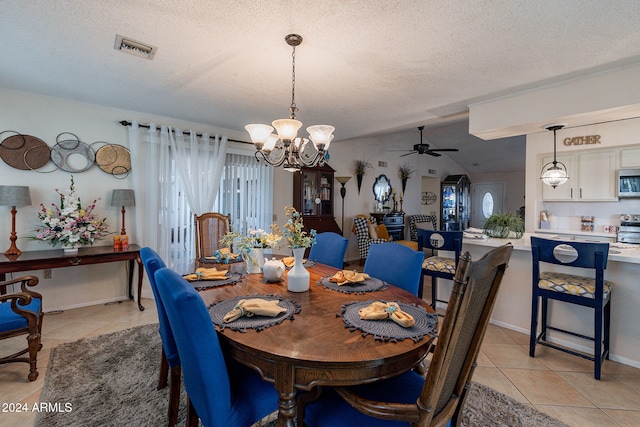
(487, 199)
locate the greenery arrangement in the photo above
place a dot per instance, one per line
(504, 225)
(70, 224)
(405, 171)
(361, 166)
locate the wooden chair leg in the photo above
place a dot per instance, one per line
(174, 394)
(434, 292)
(192, 416)
(607, 325)
(34, 345)
(164, 371)
(597, 348)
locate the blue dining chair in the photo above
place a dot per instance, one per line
(438, 266)
(588, 291)
(437, 399)
(220, 392)
(396, 264)
(329, 249)
(169, 358)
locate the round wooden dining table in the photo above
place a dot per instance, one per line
(315, 348)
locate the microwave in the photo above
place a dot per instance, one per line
(629, 183)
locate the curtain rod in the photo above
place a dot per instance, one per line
(127, 123)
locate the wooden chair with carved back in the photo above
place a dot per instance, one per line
(210, 227)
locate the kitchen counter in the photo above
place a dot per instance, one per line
(513, 306)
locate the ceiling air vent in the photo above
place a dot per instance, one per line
(133, 47)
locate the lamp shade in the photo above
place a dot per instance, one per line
(123, 197)
(343, 179)
(14, 195)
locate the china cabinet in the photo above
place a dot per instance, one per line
(313, 193)
(456, 203)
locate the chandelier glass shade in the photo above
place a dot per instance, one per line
(285, 148)
(554, 173)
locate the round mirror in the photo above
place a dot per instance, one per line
(382, 189)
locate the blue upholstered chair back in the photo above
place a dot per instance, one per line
(152, 263)
(203, 365)
(329, 249)
(440, 240)
(396, 264)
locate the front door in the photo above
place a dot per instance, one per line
(487, 199)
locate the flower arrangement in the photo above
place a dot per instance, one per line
(70, 224)
(256, 239)
(294, 232)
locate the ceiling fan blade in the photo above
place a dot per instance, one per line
(400, 150)
(411, 152)
(432, 153)
(444, 149)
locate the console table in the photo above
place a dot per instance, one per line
(394, 221)
(40, 260)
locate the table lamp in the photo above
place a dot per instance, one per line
(343, 192)
(14, 195)
(123, 197)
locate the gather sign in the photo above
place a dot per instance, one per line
(582, 140)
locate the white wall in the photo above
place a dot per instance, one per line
(45, 118)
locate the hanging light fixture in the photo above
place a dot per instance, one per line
(286, 148)
(554, 173)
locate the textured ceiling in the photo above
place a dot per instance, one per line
(366, 67)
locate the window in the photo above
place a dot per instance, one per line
(487, 205)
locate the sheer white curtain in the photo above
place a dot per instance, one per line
(165, 180)
(199, 161)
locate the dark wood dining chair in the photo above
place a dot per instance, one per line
(169, 359)
(439, 398)
(574, 287)
(21, 314)
(210, 227)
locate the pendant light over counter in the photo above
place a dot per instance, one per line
(554, 173)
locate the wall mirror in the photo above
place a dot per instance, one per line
(382, 189)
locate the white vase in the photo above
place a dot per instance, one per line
(70, 248)
(298, 277)
(255, 260)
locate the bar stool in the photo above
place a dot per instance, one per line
(438, 266)
(592, 291)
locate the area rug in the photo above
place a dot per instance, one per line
(111, 380)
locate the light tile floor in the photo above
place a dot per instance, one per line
(554, 382)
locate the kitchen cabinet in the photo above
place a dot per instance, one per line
(629, 158)
(313, 197)
(592, 177)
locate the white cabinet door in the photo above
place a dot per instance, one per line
(597, 173)
(568, 190)
(630, 158)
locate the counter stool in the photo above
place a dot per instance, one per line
(438, 266)
(592, 291)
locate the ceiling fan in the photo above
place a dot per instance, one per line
(423, 148)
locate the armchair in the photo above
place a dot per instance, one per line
(21, 314)
(362, 227)
(414, 220)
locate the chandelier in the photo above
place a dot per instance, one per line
(554, 175)
(286, 149)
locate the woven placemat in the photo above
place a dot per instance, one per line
(206, 284)
(388, 330)
(218, 310)
(370, 285)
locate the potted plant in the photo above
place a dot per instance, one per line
(361, 167)
(404, 172)
(504, 226)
